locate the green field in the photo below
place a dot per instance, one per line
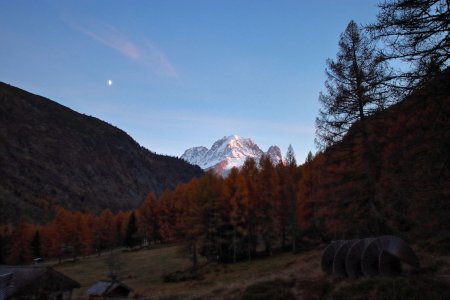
(270, 278)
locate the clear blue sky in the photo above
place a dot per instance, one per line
(185, 73)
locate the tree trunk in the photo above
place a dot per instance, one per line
(194, 255)
(234, 244)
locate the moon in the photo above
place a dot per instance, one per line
(109, 82)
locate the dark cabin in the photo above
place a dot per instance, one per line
(108, 289)
(35, 282)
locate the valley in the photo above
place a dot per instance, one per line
(361, 89)
(281, 276)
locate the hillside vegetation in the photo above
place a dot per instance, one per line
(410, 147)
(265, 208)
(51, 155)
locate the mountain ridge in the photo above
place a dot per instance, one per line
(52, 155)
(228, 152)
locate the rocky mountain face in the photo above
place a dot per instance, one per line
(228, 152)
(274, 154)
(51, 155)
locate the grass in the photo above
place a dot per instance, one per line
(283, 276)
(401, 288)
(143, 271)
(276, 289)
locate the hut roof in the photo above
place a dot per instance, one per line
(104, 287)
(24, 279)
(5, 281)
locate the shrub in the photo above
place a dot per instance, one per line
(277, 289)
(400, 288)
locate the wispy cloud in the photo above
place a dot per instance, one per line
(158, 58)
(144, 52)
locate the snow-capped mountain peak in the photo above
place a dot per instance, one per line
(195, 155)
(228, 152)
(274, 154)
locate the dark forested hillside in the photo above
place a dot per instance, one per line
(409, 148)
(51, 155)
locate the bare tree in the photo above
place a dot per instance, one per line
(356, 86)
(416, 32)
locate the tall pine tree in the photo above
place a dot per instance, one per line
(36, 245)
(417, 32)
(355, 88)
(130, 234)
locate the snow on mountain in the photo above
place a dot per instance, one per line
(195, 155)
(274, 153)
(228, 152)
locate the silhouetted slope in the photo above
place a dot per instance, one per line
(410, 145)
(50, 154)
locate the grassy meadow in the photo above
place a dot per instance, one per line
(282, 276)
(143, 270)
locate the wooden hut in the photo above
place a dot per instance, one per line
(108, 289)
(35, 282)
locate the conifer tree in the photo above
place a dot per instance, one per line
(309, 157)
(63, 233)
(268, 208)
(104, 228)
(235, 198)
(417, 32)
(290, 195)
(249, 172)
(130, 235)
(119, 228)
(148, 219)
(20, 252)
(203, 218)
(290, 157)
(36, 246)
(355, 86)
(84, 234)
(3, 250)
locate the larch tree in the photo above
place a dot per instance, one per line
(36, 245)
(147, 216)
(416, 32)
(120, 227)
(234, 194)
(131, 231)
(104, 237)
(240, 217)
(290, 184)
(249, 172)
(355, 89)
(268, 208)
(304, 191)
(2, 248)
(290, 157)
(84, 233)
(236, 200)
(355, 86)
(204, 218)
(63, 233)
(167, 217)
(20, 250)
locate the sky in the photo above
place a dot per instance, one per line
(183, 73)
